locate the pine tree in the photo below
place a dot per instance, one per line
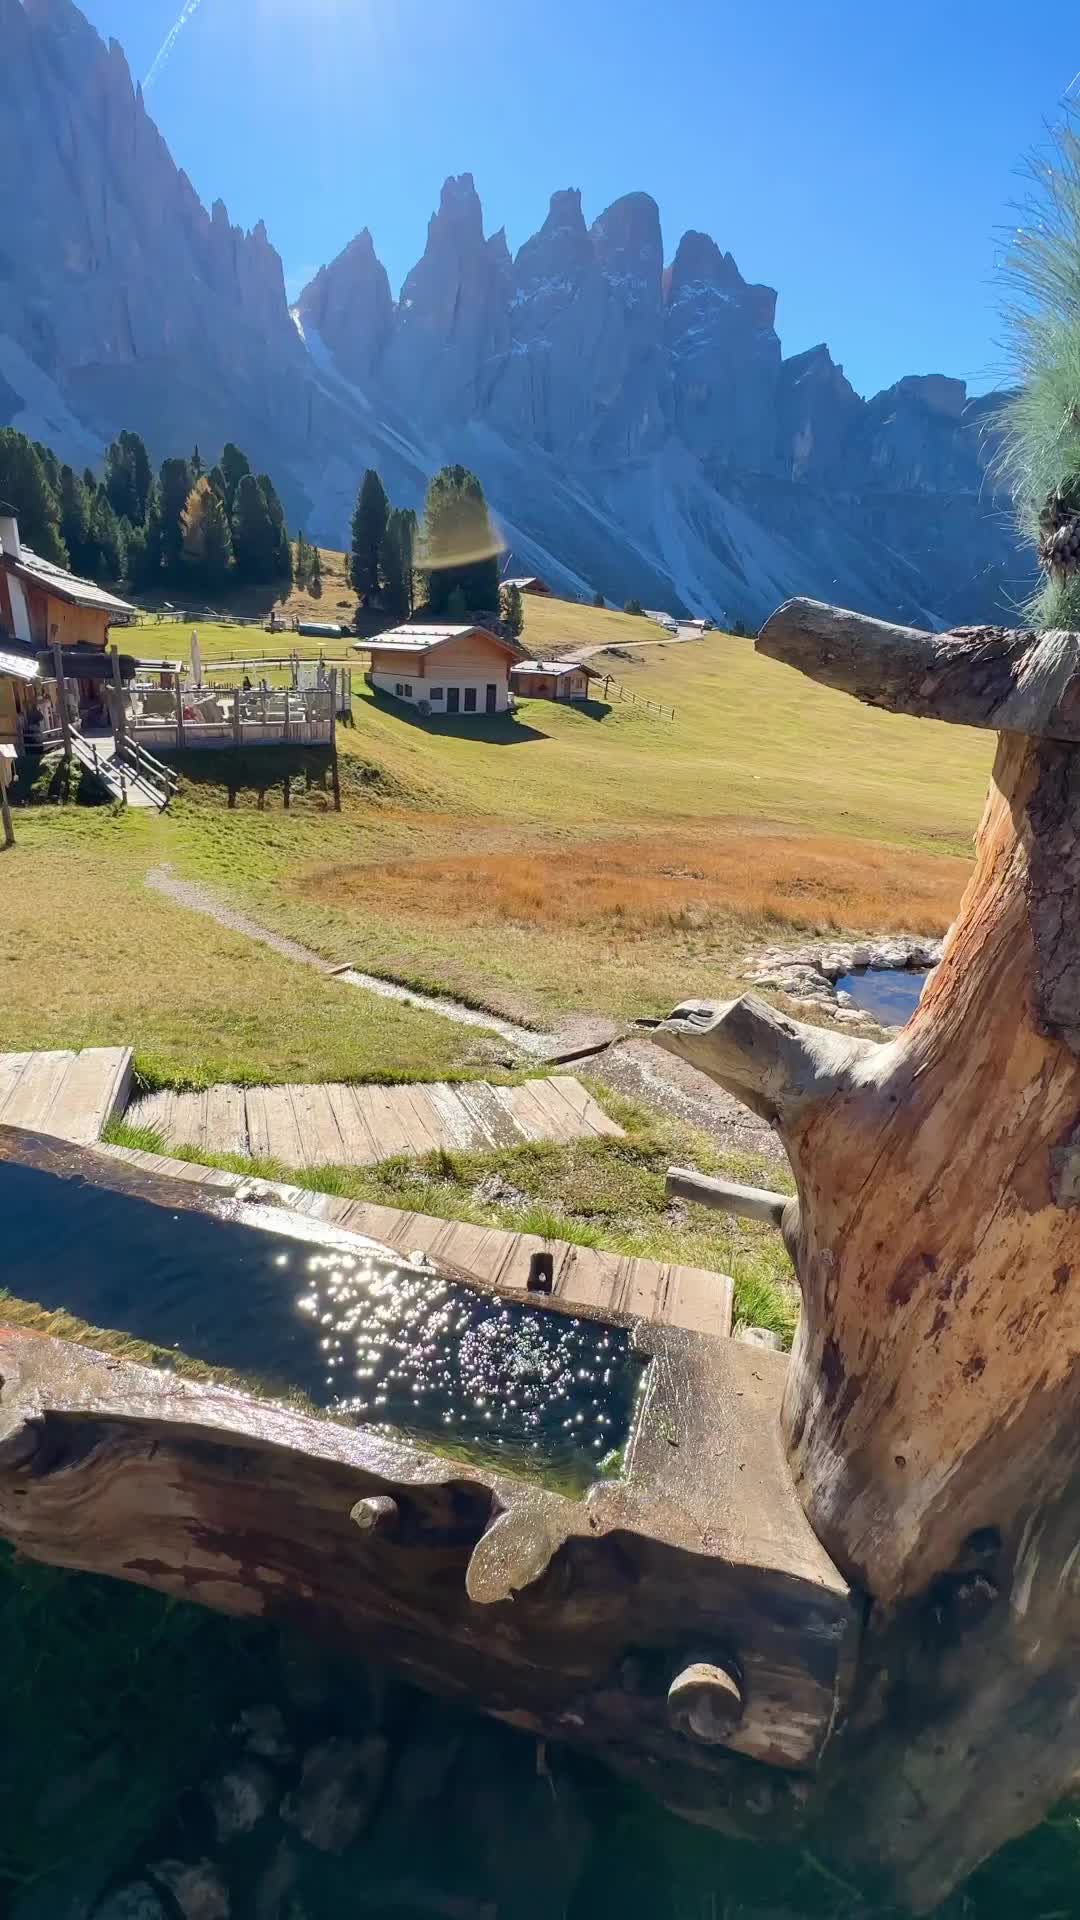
(398, 561)
(24, 485)
(105, 540)
(513, 613)
(459, 545)
(51, 465)
(253, 533)
(598, 600)
(207, 545)
(174, 486)
(196, 461)
(302, 562)
(633, 606)
(283, 560)
(368, 533)
(217, 481)
(149, 563)
(457, 607)
(75, 519)
(235, 466)
(128, 478)
(316, 573)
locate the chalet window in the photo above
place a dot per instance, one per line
(470, 699)
(436, 693)
(399, 689)
(408, 689)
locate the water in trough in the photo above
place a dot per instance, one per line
(377, 1339)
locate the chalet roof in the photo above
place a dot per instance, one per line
(65, 585)
(16, 666)
(420, 640)
(525, 580)
(553, 666)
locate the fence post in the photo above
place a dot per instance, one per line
(179, 714)
(236, 723)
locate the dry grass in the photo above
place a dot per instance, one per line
(725, 874)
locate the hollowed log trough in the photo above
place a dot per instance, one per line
(681, 1620)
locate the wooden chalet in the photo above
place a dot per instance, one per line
(443, 669)
(54, 628)
(552, 679)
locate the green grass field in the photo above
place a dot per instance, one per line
(570, 859)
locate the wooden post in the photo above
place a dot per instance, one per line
(334, 771)
(61, 691)
(5, 806)
(932, 1408)
(180, 736)
(119, 721)
(236, 720)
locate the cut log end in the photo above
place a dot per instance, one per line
(705, 1702)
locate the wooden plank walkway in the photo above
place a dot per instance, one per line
(659, 1291)
(339, 1125)
(68, 1095)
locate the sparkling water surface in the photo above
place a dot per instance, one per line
(363, 1334)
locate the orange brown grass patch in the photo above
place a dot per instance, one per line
(642, 883)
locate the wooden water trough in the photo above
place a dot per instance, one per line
(673, 1616)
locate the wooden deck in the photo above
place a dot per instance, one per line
(69, 1095)
(659, 1291)
(338, 1125)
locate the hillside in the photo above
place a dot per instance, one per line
(570, 860)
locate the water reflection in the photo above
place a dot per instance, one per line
(411, 1350)
(378, 1340)
(889, 994)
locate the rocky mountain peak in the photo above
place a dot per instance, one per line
(564, 213)
(629, 247)
(701, 273)
(817, 409)
(348, 308)
(935, 391)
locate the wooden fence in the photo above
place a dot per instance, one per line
(614, 689)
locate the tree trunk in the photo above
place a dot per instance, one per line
(932, 1410)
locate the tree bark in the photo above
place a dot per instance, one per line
(932, 1412)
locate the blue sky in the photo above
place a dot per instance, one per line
(858, 156)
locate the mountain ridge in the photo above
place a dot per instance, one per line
(634, 421)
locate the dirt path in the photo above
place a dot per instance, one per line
(634, 1068)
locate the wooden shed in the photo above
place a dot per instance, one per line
(552, 679)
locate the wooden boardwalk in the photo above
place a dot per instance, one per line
(68, 1095)
(659, 1291)
(338, 1125)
